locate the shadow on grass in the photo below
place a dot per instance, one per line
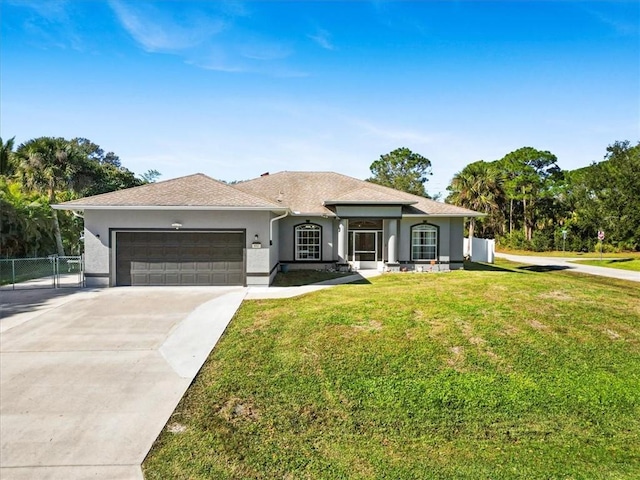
(299, 278)
(543, 268)
(619, 260)
(486, 267)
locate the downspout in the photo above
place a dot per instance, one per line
(76, 214)
(271, 226)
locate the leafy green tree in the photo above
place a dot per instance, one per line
(150, 176)
(478, 186)
(528, 176)
(25, 221)
(607, 196)
(51, 165)
(6, 157)
(104, 170)
(403, 170)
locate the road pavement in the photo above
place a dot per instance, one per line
(573, 265)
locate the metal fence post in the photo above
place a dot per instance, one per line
(13, 274)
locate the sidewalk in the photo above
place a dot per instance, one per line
(571, 264)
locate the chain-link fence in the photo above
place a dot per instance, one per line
(45, 272)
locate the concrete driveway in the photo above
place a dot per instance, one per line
(88, 379)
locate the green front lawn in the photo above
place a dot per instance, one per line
(498, 373)
(621, 263)
(296, 278)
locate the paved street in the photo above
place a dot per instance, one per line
(571, 264)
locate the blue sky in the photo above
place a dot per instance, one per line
(234, 89)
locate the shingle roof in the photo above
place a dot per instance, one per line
(197, 190)
(303, 192)
(307, 192)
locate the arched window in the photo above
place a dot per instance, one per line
(424, 242)
(308, 241)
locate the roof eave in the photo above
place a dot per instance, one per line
(457, 215)
(167, 207)
(368, 202)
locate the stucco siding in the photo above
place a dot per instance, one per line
(444, 237)
(456, 242)
(287, 237)
(99, 257)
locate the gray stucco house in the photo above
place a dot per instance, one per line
(195, 230)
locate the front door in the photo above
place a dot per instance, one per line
(365, 249)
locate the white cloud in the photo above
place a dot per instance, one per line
(208, 36)
(323, 39)
(51, 26)
(393, 134)
(157, 32)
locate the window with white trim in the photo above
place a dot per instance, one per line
(308, 241)
(424, 242)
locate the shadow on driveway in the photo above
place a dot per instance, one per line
(13, 302)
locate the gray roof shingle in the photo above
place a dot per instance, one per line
(309, 192)
(303, 192)
(196, 190)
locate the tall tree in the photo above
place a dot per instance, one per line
(104, 170)
(607, 196)
(528, 172)
(50, 165)
(6, 157)
(478, 186)
(403, 170)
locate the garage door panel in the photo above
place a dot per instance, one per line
(184, 258)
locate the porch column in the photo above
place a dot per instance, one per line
(392, 253)
(342, 240)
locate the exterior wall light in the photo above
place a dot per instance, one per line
(176, 225)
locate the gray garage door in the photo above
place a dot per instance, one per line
(180, 258)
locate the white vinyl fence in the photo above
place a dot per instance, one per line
(480, 249)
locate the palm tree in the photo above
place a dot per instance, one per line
(477, 187)
(6, 154)
(49, 165)
(25, 220)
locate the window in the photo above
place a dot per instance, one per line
(424, 242)
(308, 241)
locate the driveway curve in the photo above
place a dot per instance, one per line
(88, 382)
(571, 264)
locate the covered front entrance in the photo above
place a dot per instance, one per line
(365, 243)
(180, 258)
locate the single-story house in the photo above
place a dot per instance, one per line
(195, 230)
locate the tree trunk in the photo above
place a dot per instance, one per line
(56, 225)
(57, 234)
(510, 216)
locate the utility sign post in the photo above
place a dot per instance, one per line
(601, 238)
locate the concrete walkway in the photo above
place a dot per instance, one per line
(88, 379)
(573, 265)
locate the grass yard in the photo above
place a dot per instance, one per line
(497, 373)
(296, 278)
(632, 264)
